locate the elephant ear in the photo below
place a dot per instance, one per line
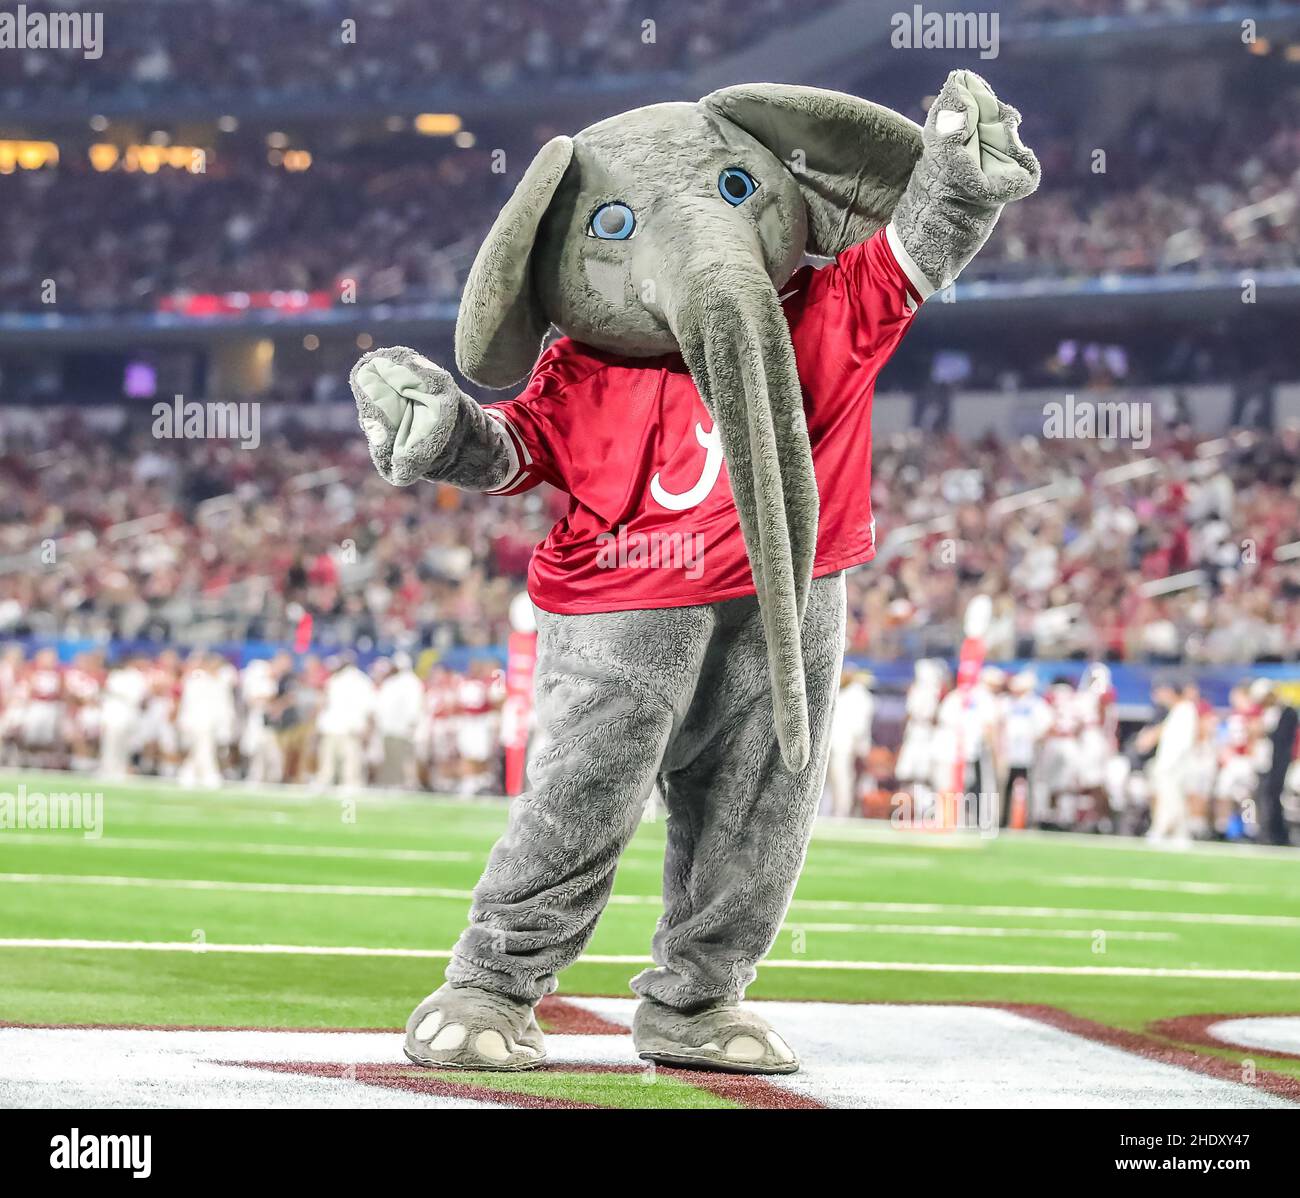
(501, 324)
(851, 158)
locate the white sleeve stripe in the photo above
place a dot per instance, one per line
(498, 414)
(513, 447)
(915, 276)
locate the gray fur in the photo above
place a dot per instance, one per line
(421, 425)
(963, 179)
(682, 696)
(470, 1011)
(722, 1036)
(500, 326)
(851, 158)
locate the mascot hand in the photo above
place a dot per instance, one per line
(420, 424)
(972, 136)
(972, 163)
(407, 408)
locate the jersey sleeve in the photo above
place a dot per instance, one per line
(884, 288)
(533, 437)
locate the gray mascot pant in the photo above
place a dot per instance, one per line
(682, 696)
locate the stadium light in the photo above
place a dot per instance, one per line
(438, 124)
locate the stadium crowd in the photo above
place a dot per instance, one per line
(1155, 556)
(165, 49)
(1174, 191)
(1179, 192)
(390, 231)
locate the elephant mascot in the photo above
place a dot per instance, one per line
(707, 409)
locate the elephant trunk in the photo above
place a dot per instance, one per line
(727, 320)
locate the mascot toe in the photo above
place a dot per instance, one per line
(702, 394)
(468, 1028)
(725, 1037)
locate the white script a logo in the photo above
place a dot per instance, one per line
(695, 495)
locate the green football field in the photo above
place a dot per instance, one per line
(143, 925)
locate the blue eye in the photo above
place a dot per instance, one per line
(736, 185)
(612, 222)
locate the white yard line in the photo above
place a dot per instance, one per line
(317, 950)
(256, 848)
(653, 858)
(1092, 913)
(1168, 885)
(1098, 914)
(246, 887)
(926, 929)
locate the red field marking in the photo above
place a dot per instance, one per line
(1195, 1029)
(1279, 1084)
(565, 1018)
(752, 1092)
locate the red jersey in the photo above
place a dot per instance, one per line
(631, 443)
(44, 685)
(474, 696)
(83, 686)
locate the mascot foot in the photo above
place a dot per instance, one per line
(463, 1027)
(722, 1037)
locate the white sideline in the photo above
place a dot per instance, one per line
(326, 950)
(654, 900)
(256, 848)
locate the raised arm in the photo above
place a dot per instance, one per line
(973, 163)
(421, 425)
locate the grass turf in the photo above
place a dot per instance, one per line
(288, 869)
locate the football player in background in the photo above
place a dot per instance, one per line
(1098, 743)
(1026, 719)
(851, 722)
(915, 766)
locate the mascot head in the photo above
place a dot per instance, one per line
(671, 229)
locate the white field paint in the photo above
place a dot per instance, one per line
(255, 848)
(1261, 1033)
(853, 1056)
(1102, 914)
(994, 932)
(200, 948)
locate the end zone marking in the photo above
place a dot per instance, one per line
(855, 1055)
(1271, 1034)
(322, 950)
